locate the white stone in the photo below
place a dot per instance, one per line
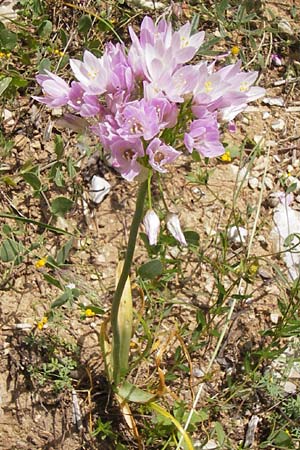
(210, 445)
(253, 183)
(274, 317)
(273, 101)
(289, 388)
(278, 125)
(266, 115)
(294, 373)
(269, 183)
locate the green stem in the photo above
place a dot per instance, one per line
(137, 217)
(149, 190)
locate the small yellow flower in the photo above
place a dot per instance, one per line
(253, 269)
(89, 313)
(287, 432)
(226, 156)
(5, 55)
(58, 52)
(235, 50)
(42, 323)
(41, 263)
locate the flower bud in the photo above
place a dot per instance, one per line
(152, 225)
(276, 60)
(174, 227)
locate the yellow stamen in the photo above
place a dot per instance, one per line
(208, 86)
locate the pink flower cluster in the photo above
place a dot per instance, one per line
(138, 101)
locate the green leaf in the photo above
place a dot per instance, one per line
(84, 24)
(51, 280)
(45, 29)
(4, 83)
(132, 393)
(19, 82)
(192, 237)
(220, 433)
(63, 37)
(151, 269)
(94, 308)
(61, 205)
(45, 64)
(195, 155)
(32, 179)
(35, 222)
(58, 146)
(58, 177)
(10, 250)
(63, 253)
(8, 39)
(291, 188)
(62, 299)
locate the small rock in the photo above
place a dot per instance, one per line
(258, 139)
(274, 317)
(21, 141)
(57, 112)
(253, 183)
(273, 101)
(294, 373)
(289, 388)
(271, 143)
(8, 118)
(276, 158)
(265, 274)
(93, 276)
(245, 120)
(266, 115)
(198, 373)
(210, 445)
(273, 200)
(278, 125)
(297, 198)
(269, 183)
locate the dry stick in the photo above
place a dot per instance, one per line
(230, 313)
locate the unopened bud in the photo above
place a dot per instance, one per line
(174, 227)
(152, 225)
(276, 60)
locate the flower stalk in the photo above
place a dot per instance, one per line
(137, 218)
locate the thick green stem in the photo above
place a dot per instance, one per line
(138, 214)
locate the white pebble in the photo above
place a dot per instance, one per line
(253, 183)
(278, 125)
(269, 183)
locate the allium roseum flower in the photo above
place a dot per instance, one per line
(174, 228)
(203, 137)
(140, 101)
(152, 225)
(160, 154)
(55, 88)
